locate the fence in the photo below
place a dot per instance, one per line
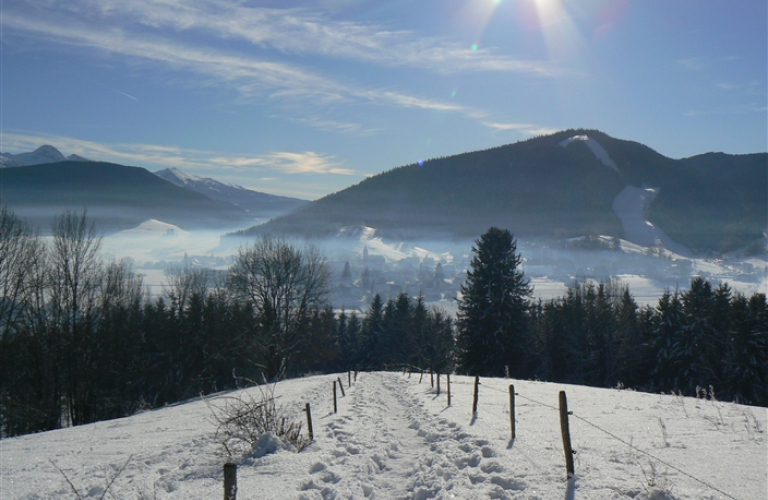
(230, 478)
(564, 414)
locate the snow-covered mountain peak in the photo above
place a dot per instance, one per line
(179, 175)
(594, 146)
(44, 154)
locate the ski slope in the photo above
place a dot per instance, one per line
(395, 438)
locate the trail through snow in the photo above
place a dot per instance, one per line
(386, 445)
(395, 438)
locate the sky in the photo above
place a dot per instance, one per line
(305, 98)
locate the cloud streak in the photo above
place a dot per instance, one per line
(308, 162)
(301, 31)
(251, 77)
(524, 128)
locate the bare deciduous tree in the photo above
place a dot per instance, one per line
(75, 273)
(18, 247)
(282, 283)
(182, 282)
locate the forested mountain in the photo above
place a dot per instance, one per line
(116, 196)
(559, 185)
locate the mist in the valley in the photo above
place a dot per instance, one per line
(363, 264)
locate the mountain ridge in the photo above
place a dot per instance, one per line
(266, 205)
(539, 187)
(116, 196)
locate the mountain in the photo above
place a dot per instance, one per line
(43, 154)
(560, 185)
(260, 205)
(117, 197)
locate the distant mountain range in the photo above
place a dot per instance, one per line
(560, 185)
(266, 205)
(44, 183)
(43, 154)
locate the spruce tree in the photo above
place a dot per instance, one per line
(493, 309)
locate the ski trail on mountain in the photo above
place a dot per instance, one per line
(386, 445)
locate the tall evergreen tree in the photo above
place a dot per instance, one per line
(493, 309)
(373, 335)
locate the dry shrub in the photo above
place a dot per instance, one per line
(243, 420)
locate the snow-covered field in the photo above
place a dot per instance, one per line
(395, 438)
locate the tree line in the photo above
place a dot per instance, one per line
(706, 340)
(81, 341)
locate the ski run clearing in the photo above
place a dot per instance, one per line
(395, 438)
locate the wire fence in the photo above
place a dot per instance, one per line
(608, 433)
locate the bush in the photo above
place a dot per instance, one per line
(244, 421)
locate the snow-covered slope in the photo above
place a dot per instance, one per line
(154, 241)
(631, 207)
(391, 251)
(248, 199)
(594, 146)
(396, 438)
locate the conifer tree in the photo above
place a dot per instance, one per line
(373, 335)
(493, 309)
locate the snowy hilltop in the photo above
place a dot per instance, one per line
(395, 437)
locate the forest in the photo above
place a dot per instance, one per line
(80, 341)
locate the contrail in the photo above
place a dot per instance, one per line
(106, 86)
(126, 95)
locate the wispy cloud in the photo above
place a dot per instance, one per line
(308, 162)
(523, 128)
(303, 31)
(158, 156)
(330, 125)
(252, 77)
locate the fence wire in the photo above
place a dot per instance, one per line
(613, 436)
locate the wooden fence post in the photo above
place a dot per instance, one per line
(512, 409)
(230, 481)
(474, 400)
(335, 408)
(438, 383)
(309, 423)
(566, 435)
(448, 376)
(341, 386)
(349, 379)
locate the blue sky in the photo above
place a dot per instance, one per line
(304, 98)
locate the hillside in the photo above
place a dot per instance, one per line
(116, 196)
(394, 437)
(561, 185)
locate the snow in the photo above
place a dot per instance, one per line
(394, 438)
(631, 207)
(44, 154)
(594, 146)
(154, 241)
